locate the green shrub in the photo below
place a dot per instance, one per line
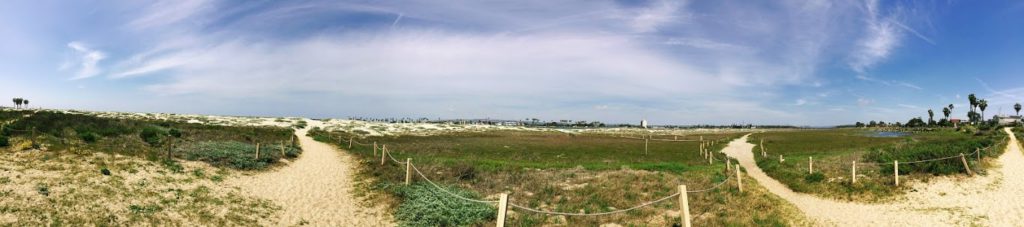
(175, 133)
(814, 177)
(152, 135)
(89, 137)
(105, 171)
(424, 205)
(236, 155)
(4, 142)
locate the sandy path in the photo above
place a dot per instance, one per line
(316, 188)
(946, 201)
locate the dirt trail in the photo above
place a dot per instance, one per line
(316, 188)
(946, 201)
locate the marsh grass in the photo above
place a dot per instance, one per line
(573, 173)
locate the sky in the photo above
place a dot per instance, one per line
(799, 62)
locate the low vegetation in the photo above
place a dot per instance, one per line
(834, 150)
(562, 172)
(229, 146)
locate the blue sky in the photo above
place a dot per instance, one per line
(800, 62)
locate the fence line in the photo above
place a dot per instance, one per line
(645, 204)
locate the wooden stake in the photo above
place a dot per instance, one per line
(408, 171)
(896, 172)
(977, 152)
(966, 167)
(257, 151)
(282, 150)
(383, 153)
(645, 146)
(350, 143)
(728, 163)
(853, 172)
(810, 165)
(375, 148)
(169, 148)
(684, 206)
(780, 158)
(502, 208)
(739, 179)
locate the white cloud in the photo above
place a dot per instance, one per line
(801, 102)
(167, 12)
(862, 102)
(87, 60)
(882, 35)
(660, 13)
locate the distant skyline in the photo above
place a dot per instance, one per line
(813, 63)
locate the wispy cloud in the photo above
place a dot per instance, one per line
(882, 35)
(888, 82)
(87, 60)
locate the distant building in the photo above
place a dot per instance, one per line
(1007, 120)
(643, 123)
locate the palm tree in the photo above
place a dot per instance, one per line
(973, 100)
(982, 105)
(931, 116)
(26, 102)
(946, 111)
(1017, 108)
(18, 102)
(15, 100)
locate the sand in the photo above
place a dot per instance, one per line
(991, 200)
(315, 189)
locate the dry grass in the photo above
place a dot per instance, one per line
(53, 188)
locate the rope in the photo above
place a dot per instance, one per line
(920, 161)
(393, 158)
(446, 191)
(642, 205)
(595, 214)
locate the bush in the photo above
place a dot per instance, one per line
(151, 135)
(175, 133)
(105, 171)
(424, 205)
(4, 142)
(89, 137)
(814, 177)
(236, 155)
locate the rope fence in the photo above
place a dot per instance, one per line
(503, 202)
(705, 152)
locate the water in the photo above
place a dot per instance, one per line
(888, 134)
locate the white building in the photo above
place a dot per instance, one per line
(643, 123)
(1007, 120)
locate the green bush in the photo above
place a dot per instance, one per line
(934, 150)
(424, 205)
(175, 133)
(4, 142)
(234, 154)
(89, 137)
(814, 177)
(152, 135)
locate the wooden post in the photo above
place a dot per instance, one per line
(374, 148)
(780, 158)
(711, 159)
(502, 208)
(169, 148)
(853, 172)
(966, 167)
(739, 179)
(810, 165)
(896, 172)
(645, 146)
(350, 143)
(383, 153)
(684, 206)
(408, 171)
(675, 138)
(292, 142)
(977, 152)
(257, 151)
(728, 163)
(282, 150)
